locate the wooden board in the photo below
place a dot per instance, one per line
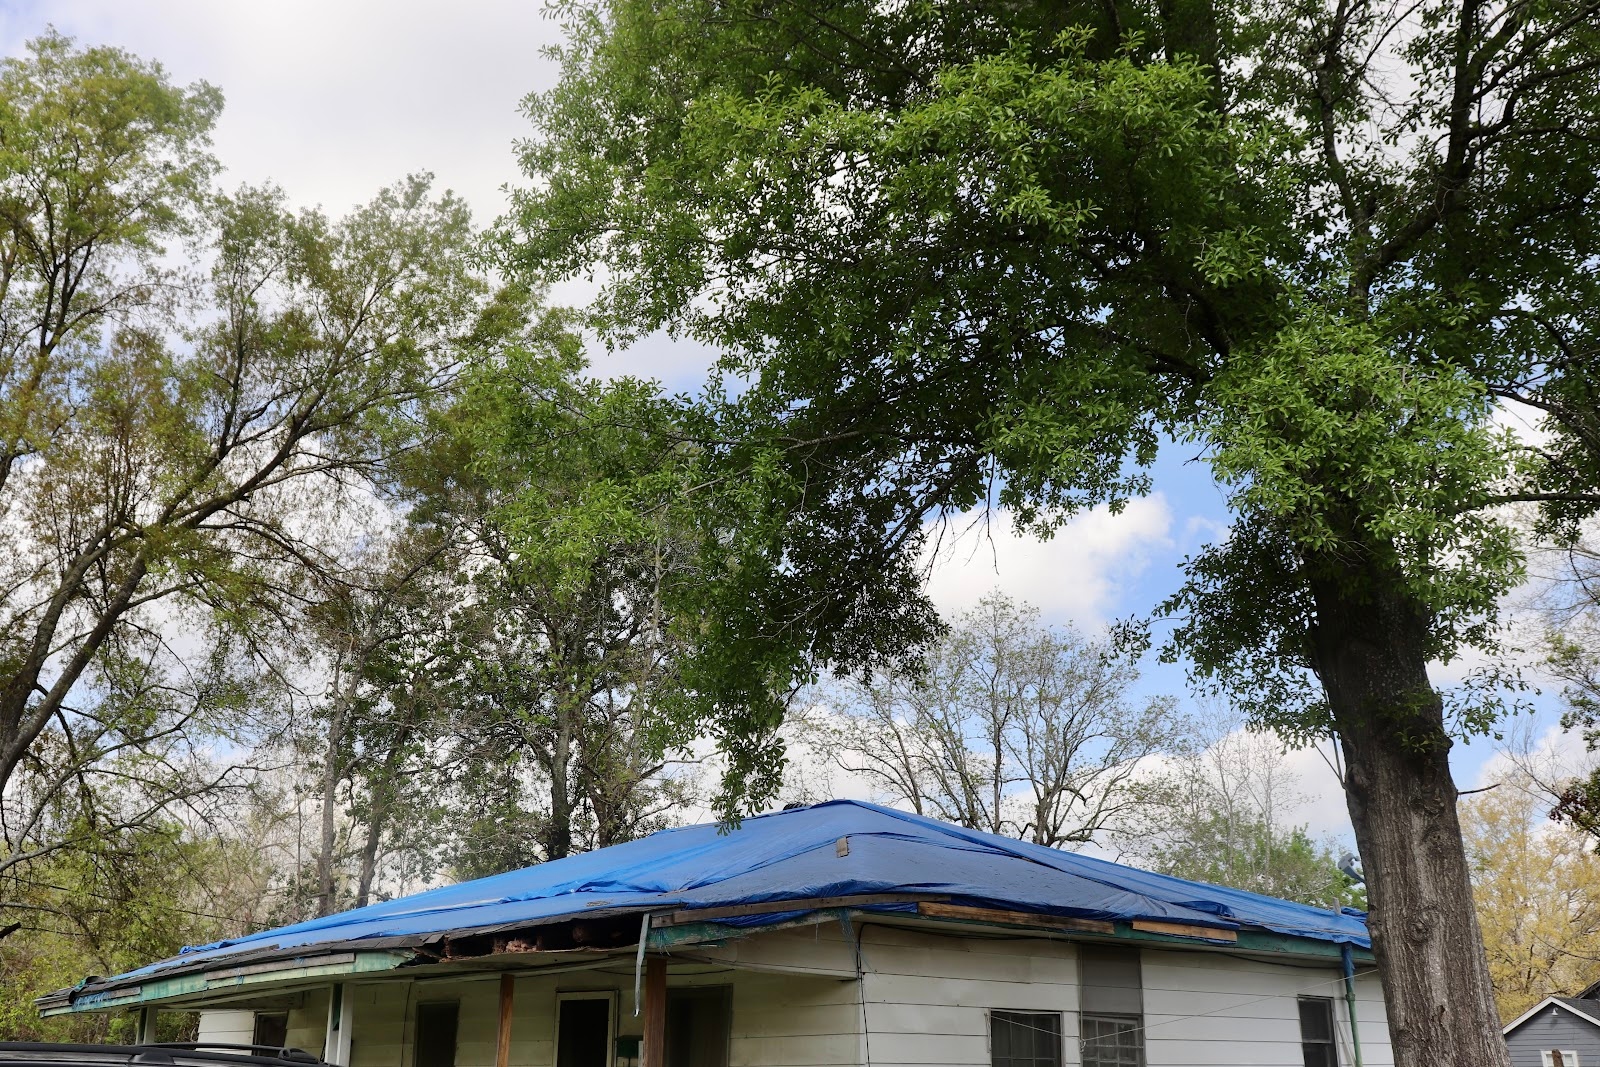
(937, 910)
(691, 915)
(1210, 933)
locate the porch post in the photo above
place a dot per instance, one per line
(147, 1026)
(655, 1013)
(502, 1049)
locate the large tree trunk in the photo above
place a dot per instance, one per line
(558, 835)
(332, 773)
(1372, 658)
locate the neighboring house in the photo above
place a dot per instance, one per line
(839, 935)
(1558, 1032)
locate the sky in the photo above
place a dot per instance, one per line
(334, 99)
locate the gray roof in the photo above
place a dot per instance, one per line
(1589, 1009)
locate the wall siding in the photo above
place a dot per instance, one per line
(925, 998)
(1563, 1031)
(227, 1027)
(1213, 1010)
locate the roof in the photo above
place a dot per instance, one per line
(839, 849)
(1581, 1007)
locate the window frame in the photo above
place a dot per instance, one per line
(1332, 1042)
(1060, 1049)
(1569, 1057)
(607, 995)
(256, 1018)
(1135, 1026)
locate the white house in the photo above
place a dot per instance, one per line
(839, 934)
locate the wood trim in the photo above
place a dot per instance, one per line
(1209, 933)
(692, 915)
(502, 1046)
(937, 910)
(655, 1013)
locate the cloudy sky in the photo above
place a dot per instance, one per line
(332, 99)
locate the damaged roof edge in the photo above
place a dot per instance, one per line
(669, 929)
(235, 974)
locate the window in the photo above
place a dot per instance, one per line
(1025, 1039)
(699, 1020)
(1112, 1041)
(583, 1030)
(436, 1033)
(271, 1029)
(1111, 996)
(1559, 1057)
(1316, 1032)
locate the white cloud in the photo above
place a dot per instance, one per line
(334, 100)
(1078, 575)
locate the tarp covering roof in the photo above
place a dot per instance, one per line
(795, 855)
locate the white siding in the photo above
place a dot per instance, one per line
(928, 995)
(1213, 1010)
(227, 1027)
(926, 1002)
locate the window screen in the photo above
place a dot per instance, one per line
(1316, 1032)
(1111, 980)
(1025, 1039)
(698, 1024)
(271, 1029)
(583, 1037)
(436, 1033)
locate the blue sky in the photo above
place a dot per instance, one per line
(333, 99)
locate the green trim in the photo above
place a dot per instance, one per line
(1256, 941)
(163, 989)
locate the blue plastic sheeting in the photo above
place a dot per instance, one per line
(794, 855)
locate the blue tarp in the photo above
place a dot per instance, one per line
(793, 855)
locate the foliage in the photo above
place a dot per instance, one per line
(1218, 813)
(1010, 727)
(122, 900)
(559, 655)
(179, 444)
(966, 254)
(1537, 887)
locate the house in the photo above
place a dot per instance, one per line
(838, 934)
(1558, 1032)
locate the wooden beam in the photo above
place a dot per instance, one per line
(694, 915)
(936, 910)
(655, 1013)
(1209, 933)
(502, 1048)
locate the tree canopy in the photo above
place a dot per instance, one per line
(976, 254)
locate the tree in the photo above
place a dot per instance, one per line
(1537, 887)
(179, 449)
(1570, 610)
(1217, 813)
(379, 717)
(1010, 727)
(973, 253)
(557, 654)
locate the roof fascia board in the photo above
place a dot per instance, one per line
(164, 989)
